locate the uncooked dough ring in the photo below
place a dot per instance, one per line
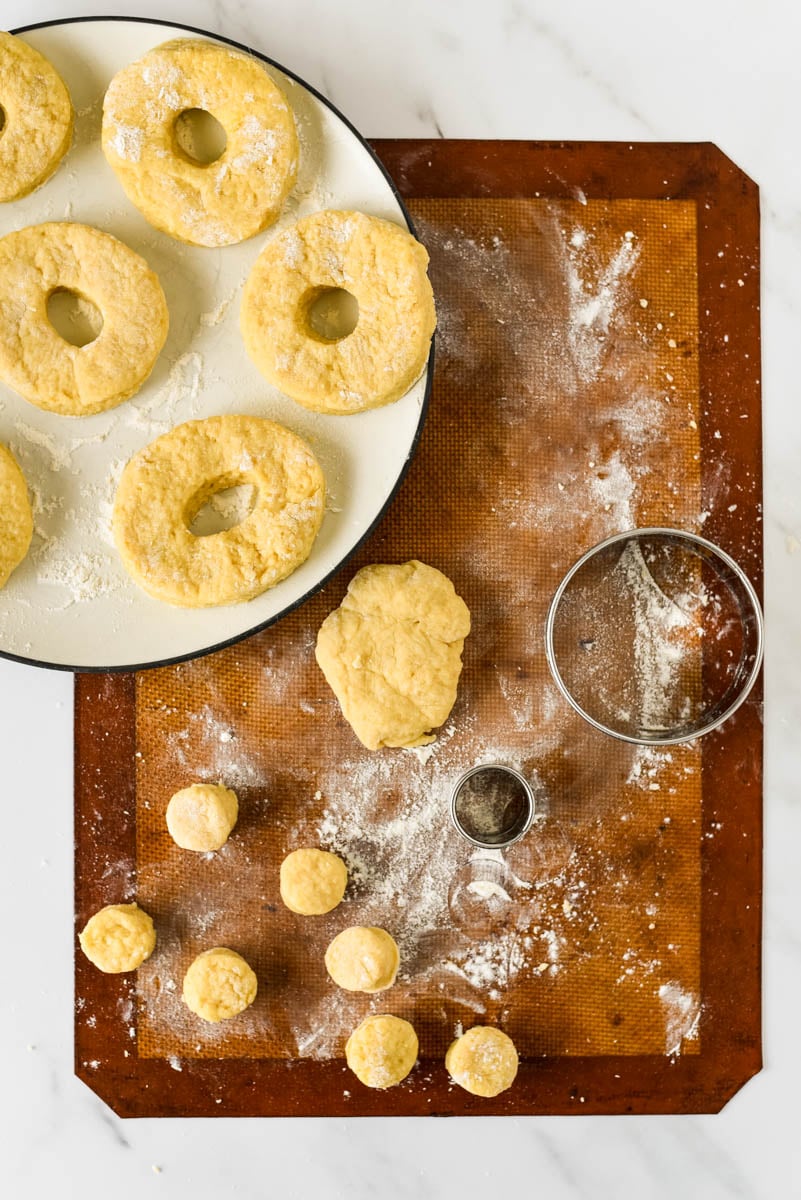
(166, 484)
(35, 360)
(215, 204)
(384, 268)
(38, 118)
(16, 518)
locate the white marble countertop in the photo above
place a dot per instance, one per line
(518, 68)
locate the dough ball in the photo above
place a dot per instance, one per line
(219, 984)
(363, 959)
(206, 204)
(312, 881)
(482, 1061)
(382, 1051)
(118, 938)
(201, 817)
(392, 653)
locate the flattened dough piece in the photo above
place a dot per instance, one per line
(483, 1061)
(392, 653)
(382, 1051)
(118, 938)
(363, 959)
(201, 817)
(219, 984)
(16, 517)
(312, 881)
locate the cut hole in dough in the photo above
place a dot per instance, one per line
(332, 313)
(199, 136)
(74, 317)
(224, 510)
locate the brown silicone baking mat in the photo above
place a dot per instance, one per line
(597, 368)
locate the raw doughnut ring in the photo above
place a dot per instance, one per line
(384, 268)
(35, 360)
(16, 518)
(37, 110)
(166, 484)
(214, 204)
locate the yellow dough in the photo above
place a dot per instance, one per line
(379, 264)
(382, 1051)
(35, 118)
(16, 518)
(35, 360)
(482, 1061)
(164, 486)
(363, 959)
(312, 881)
(219, 984)
(118, 938)
(201, 817)
(392, 653)
(218, 203)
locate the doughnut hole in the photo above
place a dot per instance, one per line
(74, 317)
(220, 505)
(199, 136)
(332, 313)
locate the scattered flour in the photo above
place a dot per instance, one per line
(596, 292)
(682, 1014)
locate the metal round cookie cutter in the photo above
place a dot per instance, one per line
(492, 806)
(723, 637)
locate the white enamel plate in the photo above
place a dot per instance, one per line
(71, 604)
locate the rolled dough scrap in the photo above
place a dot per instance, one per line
(483, 1061)
(382, 1051)
(392, 653)
(312, 881)
(363, 959)
(219, 984)
(118, 938)
(201, 817)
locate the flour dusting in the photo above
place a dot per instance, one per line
(682, 1014)
(596, 293)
